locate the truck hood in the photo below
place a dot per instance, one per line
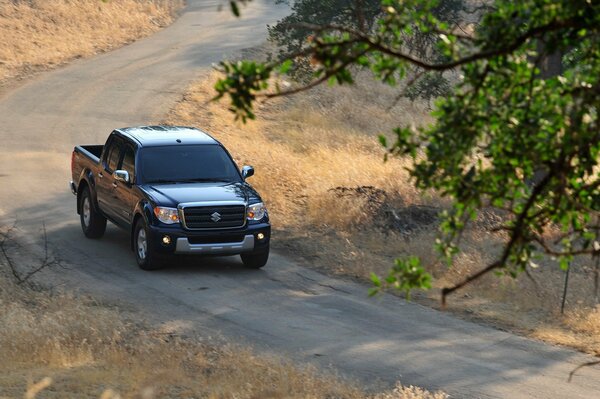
(171, 195)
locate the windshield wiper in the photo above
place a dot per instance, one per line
(204, 179)
(162, 181)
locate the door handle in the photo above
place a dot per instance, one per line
(100, 175)
(114, 184)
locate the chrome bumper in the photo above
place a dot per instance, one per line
(184, 247)
(72, 186)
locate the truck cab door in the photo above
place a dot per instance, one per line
(123, 195)
(105, 179)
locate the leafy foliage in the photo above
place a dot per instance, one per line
(508, 136)
(292, 36)
(406, 275)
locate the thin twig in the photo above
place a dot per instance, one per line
(588, 364)
(46, 261)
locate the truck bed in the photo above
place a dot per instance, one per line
(85, 158)
(94, 152)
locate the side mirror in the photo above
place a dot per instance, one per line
(247, 171)
(122, 176)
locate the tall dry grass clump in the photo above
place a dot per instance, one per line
(37, 34)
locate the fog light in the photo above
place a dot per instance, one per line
(166, 240)
(260, 236)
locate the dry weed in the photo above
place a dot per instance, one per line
(38, 34)
(75, 347)
(410, 392)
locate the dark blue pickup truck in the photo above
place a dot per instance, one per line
(176, 190)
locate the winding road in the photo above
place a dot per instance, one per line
(283, 308)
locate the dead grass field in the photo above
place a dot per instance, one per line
(69, 346)
(41, 34)
(337, 206)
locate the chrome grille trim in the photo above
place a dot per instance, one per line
(210, 208)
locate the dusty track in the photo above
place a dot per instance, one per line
(284, 308)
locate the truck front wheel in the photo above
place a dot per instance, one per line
(255, 260)
(142, 245)
(93, 223)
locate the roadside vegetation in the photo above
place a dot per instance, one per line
(59, 345)
(38, 35)
(337, 206)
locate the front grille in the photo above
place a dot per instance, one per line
(201, 217)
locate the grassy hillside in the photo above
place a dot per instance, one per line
(41, 34)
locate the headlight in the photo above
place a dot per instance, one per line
(256, 211)
(167, 215)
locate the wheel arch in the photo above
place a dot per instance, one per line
(86, 180)
(143, 210)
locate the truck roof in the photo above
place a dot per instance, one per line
(151, 136)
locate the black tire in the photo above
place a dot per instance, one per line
(255, 260)
(93, 223)
(142, 246)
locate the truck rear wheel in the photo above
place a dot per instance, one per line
(255, 260)
(93, 223)
(143, 247)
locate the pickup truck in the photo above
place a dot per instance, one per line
(175, 190)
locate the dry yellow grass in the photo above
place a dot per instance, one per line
(39, 34)
(306, 146)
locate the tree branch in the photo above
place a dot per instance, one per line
(379, 46)
(517, 233)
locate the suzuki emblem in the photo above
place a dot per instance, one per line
(215, 217)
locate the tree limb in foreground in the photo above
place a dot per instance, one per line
(503, 126)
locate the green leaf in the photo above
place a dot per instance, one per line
(375, 280)
(382, 140)
(234, 8)
(285, 66)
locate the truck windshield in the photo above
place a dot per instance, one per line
(187, 163)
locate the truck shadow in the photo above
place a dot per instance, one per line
(116, 242)
(113, 251)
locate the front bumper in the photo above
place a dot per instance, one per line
(183, 246)
(250, 238)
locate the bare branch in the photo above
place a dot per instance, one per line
(3, 242)
(47, 261)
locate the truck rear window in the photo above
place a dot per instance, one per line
(187, 163)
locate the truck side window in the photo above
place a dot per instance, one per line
(106, 152)
(128, 162)
(112, 159)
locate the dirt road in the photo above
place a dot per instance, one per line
(284, 308)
